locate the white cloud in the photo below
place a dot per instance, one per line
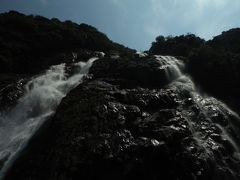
(44, 2)
(203, 17)
(119, 3)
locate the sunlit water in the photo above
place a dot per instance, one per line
(171, 66)
(42, 95)
(209, 108)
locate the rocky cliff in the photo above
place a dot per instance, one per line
(129, 120)
(130, 116)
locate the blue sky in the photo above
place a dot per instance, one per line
(136, 23)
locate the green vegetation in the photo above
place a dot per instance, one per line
(176, 46)
(29, 44)
(214, 64)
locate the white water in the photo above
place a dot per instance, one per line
(207, 106)
(141, 54)
(183, 84)
(43, 94)
(172, 66)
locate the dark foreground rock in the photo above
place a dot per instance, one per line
(106, 128)
(11, 89)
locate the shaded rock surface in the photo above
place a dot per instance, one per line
(129, 121)
(149, 71)
(11, 89)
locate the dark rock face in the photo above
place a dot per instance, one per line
(143, 72)
(11, 89)
(135, 116)
(107, 128)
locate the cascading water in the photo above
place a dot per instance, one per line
(172, 66)
(206, 130)
(42, 96)
(214, 126)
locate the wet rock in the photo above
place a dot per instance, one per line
(142, 72)
(11, 92)
(108, 128)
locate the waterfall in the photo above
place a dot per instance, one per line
(171, 66)
(213, 127)
(183, 84)
(43, 94)
(209, 120)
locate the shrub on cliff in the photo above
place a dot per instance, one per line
(214, 64)
(227, 41)
(28, 41)
(176, 46)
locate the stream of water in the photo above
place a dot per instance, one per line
(43, 94)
